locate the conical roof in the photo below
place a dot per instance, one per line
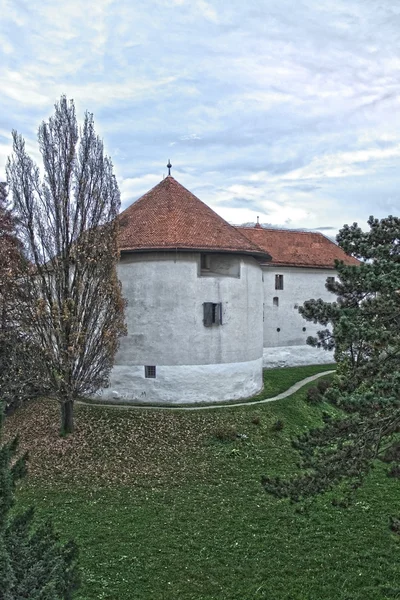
(169, 217)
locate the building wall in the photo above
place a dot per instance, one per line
(164, 316)
(299, 284)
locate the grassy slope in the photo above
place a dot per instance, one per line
(161, 510)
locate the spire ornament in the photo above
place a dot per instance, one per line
(169, 167)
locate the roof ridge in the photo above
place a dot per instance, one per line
(280, 229)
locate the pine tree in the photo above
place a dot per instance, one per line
(34, 563)
(363, 325)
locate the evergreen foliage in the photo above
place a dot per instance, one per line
(363, 325)
(33, 562)
(72, 306)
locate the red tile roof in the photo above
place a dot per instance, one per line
(169, 217)
(297, 248)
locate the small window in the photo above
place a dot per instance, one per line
(150, 372)
(304, 328)
(331, 279)
(212, 314)
(278, 329)
(279, 282)
(275, 301)
(204, 262)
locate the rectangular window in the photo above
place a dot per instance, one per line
(204, 262)
(279, 282)
(150, 372)
(212, 313)
(331, 279)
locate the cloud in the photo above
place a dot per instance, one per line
(288, 110)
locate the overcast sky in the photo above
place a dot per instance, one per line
(288, 110)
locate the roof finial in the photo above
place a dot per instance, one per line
(258, 220)
(169, 167)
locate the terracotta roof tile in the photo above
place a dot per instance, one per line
(297, 248)
(169, 217)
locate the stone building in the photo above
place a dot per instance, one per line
(206, 300)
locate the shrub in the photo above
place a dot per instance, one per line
(394, 524)
(22, 375)
(278, 425)
(34, 563)
(226, 434)
(256, 421)
(313, 395)
(392, 453)
(394, 471)
(323, 385)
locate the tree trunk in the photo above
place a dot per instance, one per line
(67, 417)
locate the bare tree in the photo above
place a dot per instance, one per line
(67, 223)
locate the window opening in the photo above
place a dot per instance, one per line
(204, 262)
(279, 282)
(278, 329)
(150, 372)
(275, 301)
(331, 279)
(304, 328)
(212, 313)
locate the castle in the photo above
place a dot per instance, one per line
(210, 304)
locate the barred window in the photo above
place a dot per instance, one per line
(150, 372)
(212, 313)
(279, 282)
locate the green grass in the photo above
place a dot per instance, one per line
(277, 381)
(163, 511)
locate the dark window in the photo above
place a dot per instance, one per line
(279, 282)
(304, 329)
(275, 301)
(212, 313)
(331, 280)
(204, 262)
(150, 372)
(278, 329)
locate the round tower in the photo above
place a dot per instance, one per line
(193, 284)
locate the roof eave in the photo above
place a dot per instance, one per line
(259, 255)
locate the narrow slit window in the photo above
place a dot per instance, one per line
(150, 372)
(212, 313)
(279, 282)
(204, 262)
(275, 301)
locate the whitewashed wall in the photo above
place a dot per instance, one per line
(194, 363)
(299, 284)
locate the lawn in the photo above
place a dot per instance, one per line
(163, 510)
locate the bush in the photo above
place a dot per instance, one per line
(278, 425)
(256, 421)
(226, 434)
(34, 563)
(313, 395)
(394, 472)
(392, 453)
(323, 385)
(22, 375)
(394, 525)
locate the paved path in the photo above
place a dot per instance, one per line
(285, 394)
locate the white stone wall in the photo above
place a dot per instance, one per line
(295, 356)
(194, 363)
(299, 284)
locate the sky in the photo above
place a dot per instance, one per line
(287, 110)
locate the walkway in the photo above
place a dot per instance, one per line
(285, 394)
